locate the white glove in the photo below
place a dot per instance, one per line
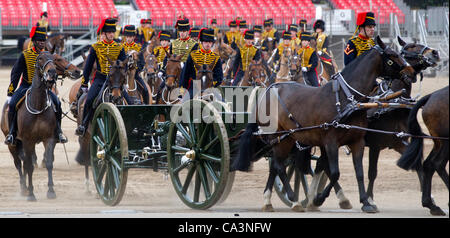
(304, 69)
(319, 52)
(270, 38)
(182, 64)
(8, 99)
(160, 74)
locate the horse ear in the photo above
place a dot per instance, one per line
(380, 43)
(400, 41)
(53, 49)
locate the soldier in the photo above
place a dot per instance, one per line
(201, 56)
(270, 34)
(193, 33)
(280, 49)
(321, 37)
(214, 26)
(232, 35)
(43, 22)
(364, 41)
(244, 56)
(257, 30)
(184, 44)
(162, 50)
(302, 27)
(25, 67)
(99, 52)
(295, 41)
(145, 32)
(309, 60)
(129, 32)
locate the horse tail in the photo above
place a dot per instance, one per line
(20, 42)
(413, 155)
(246, 148)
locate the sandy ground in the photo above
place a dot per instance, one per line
(149, 194)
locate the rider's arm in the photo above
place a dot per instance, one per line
(141, 62)
(257, 56)
(325, 44)
(237, 61)
(187, 73)
(17, 70)
(122, 56)
(218, 73)
(313, 61)
(88, 67)
(350, 52)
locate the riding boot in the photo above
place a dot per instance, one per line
(11, 137)
(81, 129)
(61, 138)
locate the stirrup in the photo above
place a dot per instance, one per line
(80, 130)
(62, 138)
(10, 140)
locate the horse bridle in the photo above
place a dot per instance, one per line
(252, 79)
(391, 64)
(424, 61)
(45, 76)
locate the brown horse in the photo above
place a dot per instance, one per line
(132, 85)
(54, 44)
(36, 122)
(256, 75)
(151, 76)
(112, 92)
(435, 114)
(419, 57)
(169, 93)
(299, 109)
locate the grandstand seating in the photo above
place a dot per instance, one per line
(254, 11)
(75, 13)
(381, 8)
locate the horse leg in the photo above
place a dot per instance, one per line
(332, 171)
(28, 170)
(18, 164)
(268, 190)
(357, 149)
(49, 158)
(86, 179)
(374, 153)
(428, 170)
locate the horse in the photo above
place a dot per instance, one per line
(284, 74)
(36, 122)
(394, 119)
(112, 91)
(168, 94)
(321, 128)
(151, 76)
(435, 115)
(227, 56)
(54, 44)
(132, 85)
(256, 75)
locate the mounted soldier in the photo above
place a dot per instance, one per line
(202, 56)
(233, 34)
(214, 27)
(184, 44)
(270, 35)
(193, 33)
(285, 45)
(25, 67)
(364, 41)
(145, 32)
(302, 27)
(101, 52)
(309, 60)
(245, 55)
(130, 35)
(162, 50)
(295, 41)
(257, 41)
(43, 22)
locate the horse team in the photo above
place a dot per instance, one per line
(398, 70)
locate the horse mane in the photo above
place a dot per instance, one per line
(355, 63)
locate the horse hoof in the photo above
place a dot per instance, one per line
(318, 202)
(51, 195)
(369, 209)
(268, 208)
(297, 208)
(345, 204)
(304, 203)
(31, 198)
(310, 207)
(437, 211)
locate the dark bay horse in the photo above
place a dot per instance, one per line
(435, 114)
(36, 122)
(112, 91)
(298, 109)
(169, 93)
(152, 76)
(256, 75)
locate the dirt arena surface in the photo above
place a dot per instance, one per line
(150, 194)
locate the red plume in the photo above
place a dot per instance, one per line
(33, 30)
(361, 18)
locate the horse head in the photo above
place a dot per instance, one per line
(394, 65)
(116, 79)
(65, 68)
(46, 69)
(151, 68)
(419, 56)
(132, 57)
(205, 74)
(173, 70)
(257, 74)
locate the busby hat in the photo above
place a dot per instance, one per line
(206, 35)
(287, 35)
(183, 25)
(319, 24)
(249, 35)
(194, 32)
(232, 24)
(306, 36)
(107, 25)
(267, 22)
(38, 33)
(213, 21)
(365, 19)
(258, 28)
(146, 21)
(164, 35)
(302, 23)
(45, 14)
(293, 27)
(243, 24)
(129, 30)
